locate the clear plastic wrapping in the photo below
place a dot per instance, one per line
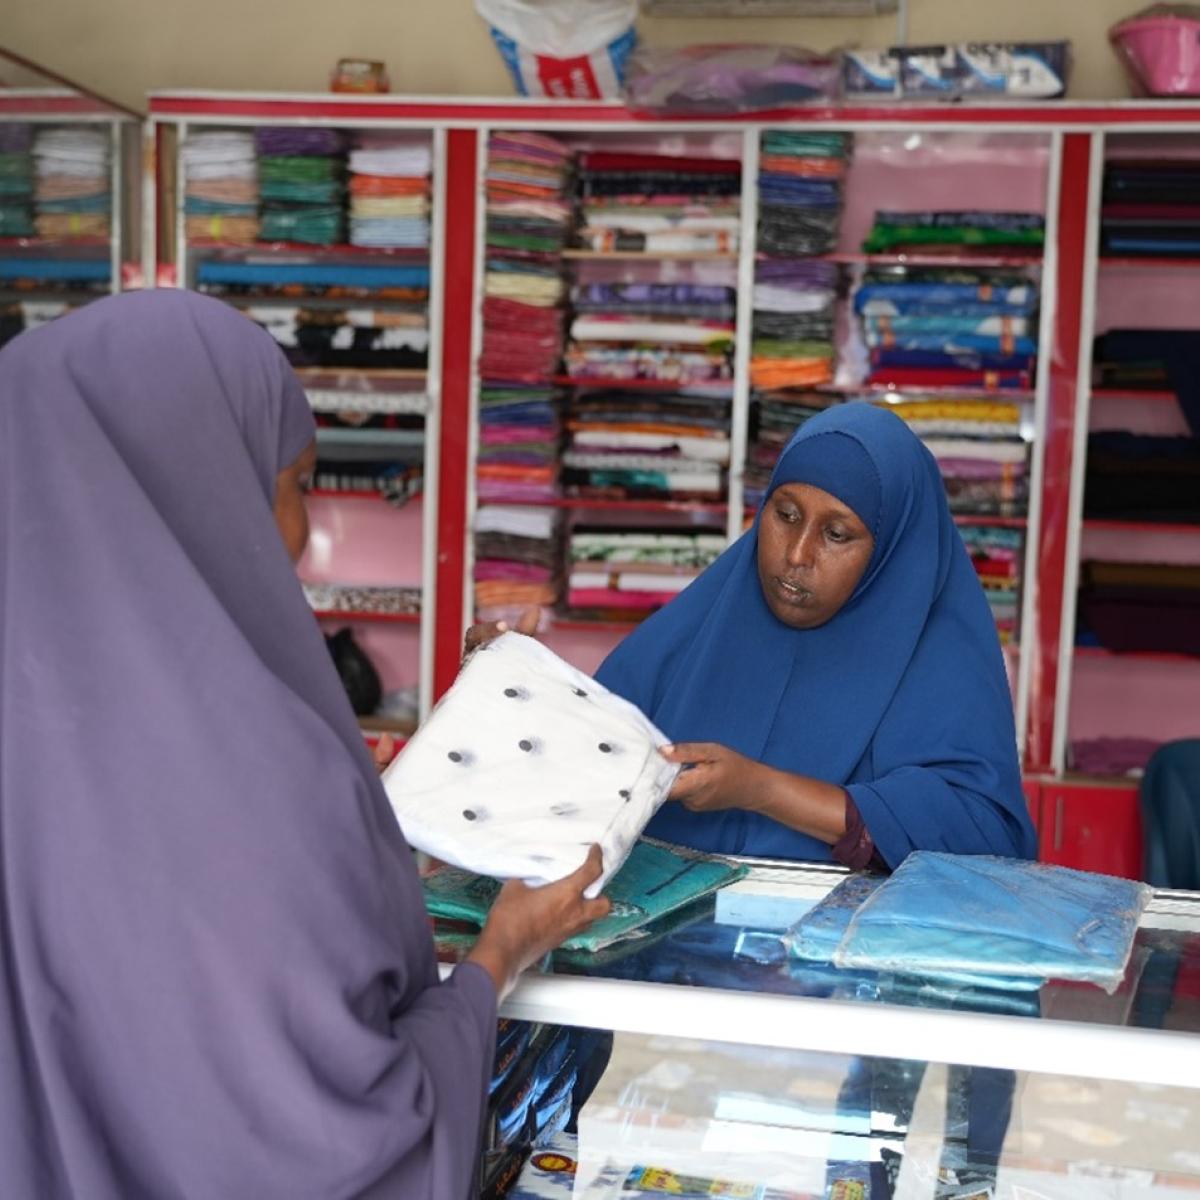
(726, 79)
(947, 913)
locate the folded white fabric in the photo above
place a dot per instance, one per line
(524, 764)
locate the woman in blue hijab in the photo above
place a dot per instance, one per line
(834, 681)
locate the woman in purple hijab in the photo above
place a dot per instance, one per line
(216, 977)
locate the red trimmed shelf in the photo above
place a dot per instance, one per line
(1154, 261)
(1132, 395)
(574, 625)
(323, 614)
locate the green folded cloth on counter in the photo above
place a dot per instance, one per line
(653, 882)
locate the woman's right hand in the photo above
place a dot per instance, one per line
(478, 635)
(526, 923)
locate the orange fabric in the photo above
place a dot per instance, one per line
(387, 185)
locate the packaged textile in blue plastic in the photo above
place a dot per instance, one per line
(942, 914)
(817, 935)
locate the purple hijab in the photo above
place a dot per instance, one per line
(216, 977)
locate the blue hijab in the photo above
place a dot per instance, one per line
(901, 698)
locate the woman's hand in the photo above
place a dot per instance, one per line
(526, 923)
(714, 777)
(478, 635)
(383, 752)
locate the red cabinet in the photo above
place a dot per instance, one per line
(1091, 826)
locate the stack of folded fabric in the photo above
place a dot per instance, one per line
(517, 560)
(1147, 607)
(301, 184)
(16, 179)
(793, 323)
(800, 191)
(1151, 208)
(647, 445)
(389, 190)
(349, 337)
(979, 449)
(774, 417)
(637, 328)
(955, 232)
(625, 574)
(997, 553)
(73, 196)
(523, 320)
(659, 203)
(1111, 755)
(220, 180)
(519, 433)
(1142, 477)
(968, 327)
(527, 217)
(405, 286)
(370, 435)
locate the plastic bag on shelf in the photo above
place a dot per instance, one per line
(565, 49)
(982, 915)
(727, 79)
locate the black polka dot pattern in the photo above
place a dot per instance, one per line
(470, 814)
(456, 756)
(625, 794)
(579, 691)
(605, 748)
(525, 744)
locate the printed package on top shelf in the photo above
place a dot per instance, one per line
(524, 764)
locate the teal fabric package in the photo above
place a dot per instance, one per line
(1003, 919)
(653, 882)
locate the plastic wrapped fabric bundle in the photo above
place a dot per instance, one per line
(1004, 918)
(734, 78)
(524, 764)
(817, 934)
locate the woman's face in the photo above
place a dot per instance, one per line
(291, 515)
(812, 551)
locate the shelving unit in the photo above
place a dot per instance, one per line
(369, 415)
(1121, 690)
(68, 233)
(1052, 156)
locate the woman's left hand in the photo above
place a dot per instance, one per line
(714, 777)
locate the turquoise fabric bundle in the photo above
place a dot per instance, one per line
(952, 915)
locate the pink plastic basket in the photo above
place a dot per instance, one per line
(1161, 53)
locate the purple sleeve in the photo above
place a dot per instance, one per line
(856, 848)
